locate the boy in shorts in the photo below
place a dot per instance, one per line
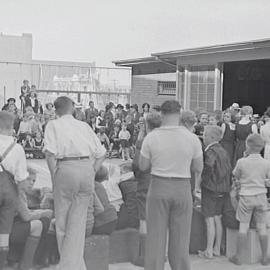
(215, 185)
(252, 173)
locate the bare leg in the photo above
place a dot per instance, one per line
(219, 233)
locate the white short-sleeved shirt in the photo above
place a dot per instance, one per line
(68, 137)
(15, 161)
(171, 150)
(252, 171)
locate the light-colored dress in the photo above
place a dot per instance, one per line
(265, 133)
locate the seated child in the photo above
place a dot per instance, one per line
(252, 172)
(215, 186)
(38, 142)
(124, 137)
(24, 128)
(114, 140)
(28, 225)
(28, 142)
(103, 138)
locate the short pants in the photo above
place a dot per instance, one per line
(213, 203)
(248, 205)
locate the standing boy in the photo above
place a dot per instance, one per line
(13, 170)
(216, 178)
(252, 173)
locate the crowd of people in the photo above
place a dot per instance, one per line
(172, 157)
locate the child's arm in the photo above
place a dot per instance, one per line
(128, 137)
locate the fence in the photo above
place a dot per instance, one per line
(80, 81)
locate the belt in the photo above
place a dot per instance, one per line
(171, 178)
(73, 158)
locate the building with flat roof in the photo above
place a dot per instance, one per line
(206, 78)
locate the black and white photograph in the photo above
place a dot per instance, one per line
(134, 135)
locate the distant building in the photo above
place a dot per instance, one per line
(207, 78)
(16, 65)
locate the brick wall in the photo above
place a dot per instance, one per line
(144, 89)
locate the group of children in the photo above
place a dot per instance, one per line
(235, 153)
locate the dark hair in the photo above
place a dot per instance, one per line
(127, 106)
(63, 104)
(170, 107)
(157, 108)
(47, 105)
(135, 106)
(11, 99)
(146, 104)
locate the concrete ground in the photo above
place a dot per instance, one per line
(197, 264)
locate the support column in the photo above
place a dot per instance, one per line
(218, 86)
(186, 102)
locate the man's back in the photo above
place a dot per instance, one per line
(171, 150)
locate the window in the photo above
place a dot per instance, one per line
(202, 87)
(167, 88)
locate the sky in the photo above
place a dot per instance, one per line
(108, 30)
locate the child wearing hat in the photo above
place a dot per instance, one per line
(252, 173)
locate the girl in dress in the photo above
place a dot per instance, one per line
(228, 129)
(265, 133)
(243, 128)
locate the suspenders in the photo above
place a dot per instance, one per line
(2, 157)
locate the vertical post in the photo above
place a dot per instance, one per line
(177, 90)
(79, 97)
(5, 97)
(218, 87)
(187, 88)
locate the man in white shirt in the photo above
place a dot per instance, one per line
(13, 170)
(173, 153)
(74, 154)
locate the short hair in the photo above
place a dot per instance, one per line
(215, 131)
(47, 105)
(127, 106)
(188, 118)
(102, 174)
(246, 110)
(170, 107)
(153, 120)
(255, 142)
(63, 104)
(135, 106)
(6, 121)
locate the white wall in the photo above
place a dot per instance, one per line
(14, 49)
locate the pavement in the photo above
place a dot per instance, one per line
(197, 263)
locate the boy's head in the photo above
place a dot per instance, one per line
(28, 136)
(153, 120)
(203, 118)
(246, 111)
(188, 119)
(27, 185)
(254, 144)
(6, 123)
(102, 174)
(212, 134)
(212, 120)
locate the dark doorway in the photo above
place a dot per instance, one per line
(247, 83)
